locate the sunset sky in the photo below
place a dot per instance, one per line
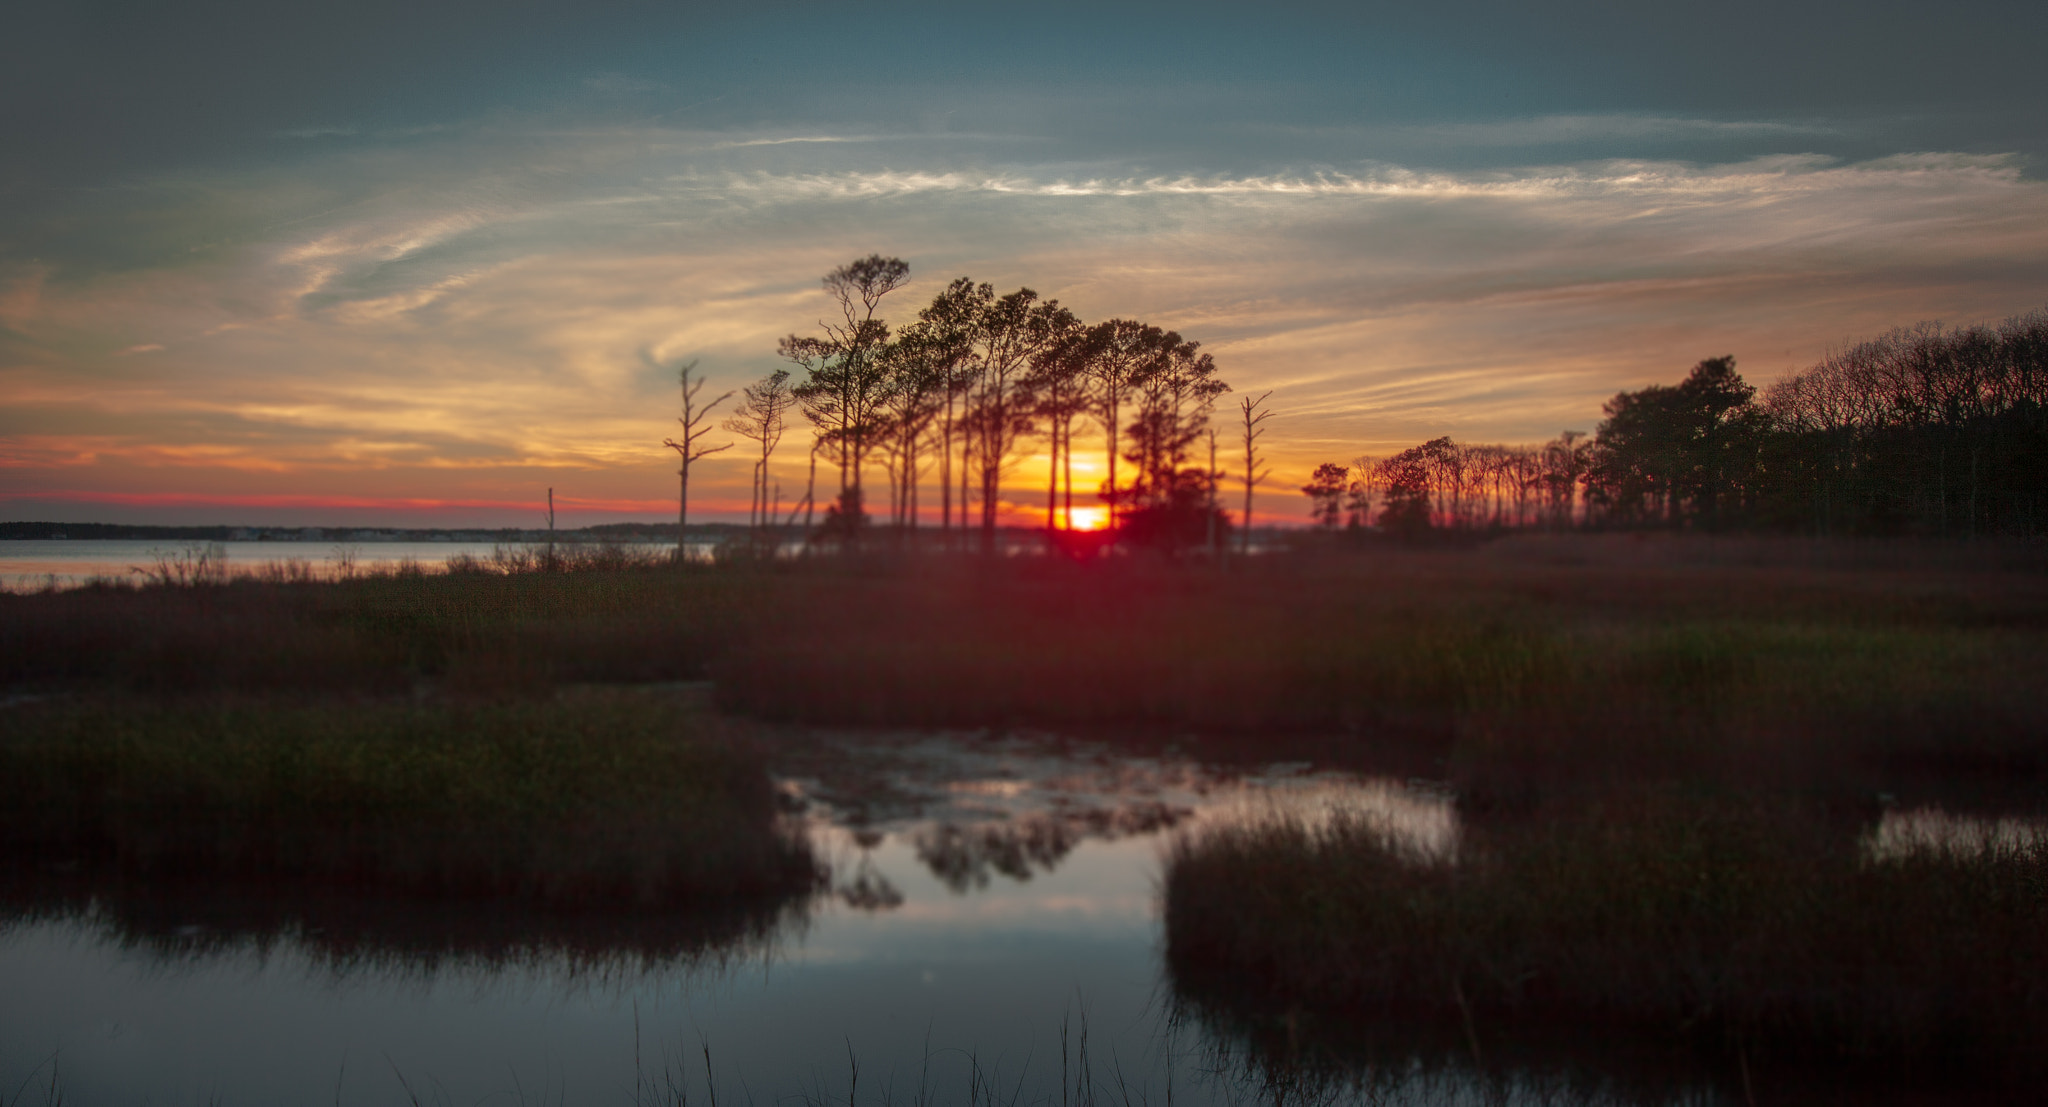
(398, 264)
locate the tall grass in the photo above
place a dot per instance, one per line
(598, 798)
(1756, 928)
(1505, 668)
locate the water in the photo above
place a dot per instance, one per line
(986, 895)
(992, 913)
(28, 565)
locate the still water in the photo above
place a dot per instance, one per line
(990, 932)
(987, 896)
(29, 565)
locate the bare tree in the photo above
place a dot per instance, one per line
(687, 448)
(761, 417)
(1254, 414)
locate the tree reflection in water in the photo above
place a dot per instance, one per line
(963, 856)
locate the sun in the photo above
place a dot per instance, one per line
(1088, 518)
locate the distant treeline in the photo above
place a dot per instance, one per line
(1928, 430)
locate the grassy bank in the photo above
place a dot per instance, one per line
(1508, 668)
(617, 798)
(1758, 930)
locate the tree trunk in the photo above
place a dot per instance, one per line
(1068, 469)
(682, 509)
(1052, 483)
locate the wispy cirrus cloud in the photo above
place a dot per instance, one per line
(466, 314)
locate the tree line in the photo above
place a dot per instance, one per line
(953, 396)
(1928, 430)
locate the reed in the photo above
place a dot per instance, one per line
(1756, 928)
(1504, 666)
(618, 798)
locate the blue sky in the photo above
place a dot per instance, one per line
(397, 263)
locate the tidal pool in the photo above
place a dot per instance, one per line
(989, 930)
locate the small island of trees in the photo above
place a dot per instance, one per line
(955, 395)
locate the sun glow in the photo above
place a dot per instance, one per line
(1088, 518)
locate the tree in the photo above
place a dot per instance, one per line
(1565, 461)
(1170, 500)
(687, 448)
(1367, 483)
(761, 417)
(846, 374)
(1665, 449)
(920, 364)
(1120, 355)
(1405, 481)
(945, 329)
(1325, 491)
(1059, 379)
(1009, 334)
(1253, 416)
(1174, 405)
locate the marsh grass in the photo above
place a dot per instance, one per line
(1754, 928)
(602, 797)
(1509, 673)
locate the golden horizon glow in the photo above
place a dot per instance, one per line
(472, 340)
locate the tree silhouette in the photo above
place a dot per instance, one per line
(1175, 401)
(686, 448)
(1664, 450)
(761, 417)
(919, 366)
(945, 329)
(1170, 500)
(1059, 380)
(1009, 334)
(846, 375)
(1325, 491)
(1121, 354)
(1253, 415)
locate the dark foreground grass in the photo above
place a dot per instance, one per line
(347, 929)
(615, 798)
(1503, 664)
(1754, 930)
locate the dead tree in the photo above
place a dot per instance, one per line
(1254, 415)
(686, 448)
(761, 416)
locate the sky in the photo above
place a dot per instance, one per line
(413, 264)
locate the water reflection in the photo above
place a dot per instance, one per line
(990, 899)
(976, 806)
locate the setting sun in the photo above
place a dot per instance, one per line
(1088, 518)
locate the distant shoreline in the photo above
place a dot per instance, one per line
(612, 532)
